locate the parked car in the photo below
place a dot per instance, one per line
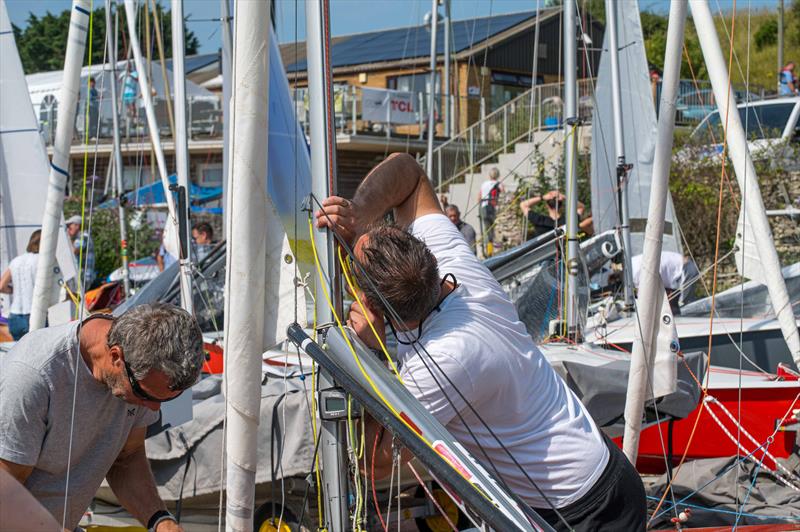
(770, 125)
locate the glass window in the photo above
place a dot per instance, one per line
(210, 175)
(414, 82)
(760, 122)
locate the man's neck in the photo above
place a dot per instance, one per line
(447, 289)
(93, 345)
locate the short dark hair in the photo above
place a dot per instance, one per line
(400, 268)
(454, 208)
(33, 241)
(204, 227)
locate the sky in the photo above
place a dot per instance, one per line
(347, 16)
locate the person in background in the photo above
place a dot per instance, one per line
(130, 90)
(488, 196)
(671, 271)
(83, 247)
(555, 213)
(466, 230)
(164, 259)
(93, 104)
(124, 368)
(18, 280)
(202, 237)
(788, 81)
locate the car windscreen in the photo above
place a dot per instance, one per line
(759, 121)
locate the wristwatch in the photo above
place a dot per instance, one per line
(156, 518)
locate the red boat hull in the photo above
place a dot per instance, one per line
(760, 410)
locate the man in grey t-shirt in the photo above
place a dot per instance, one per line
(466, 230)
(116, 372)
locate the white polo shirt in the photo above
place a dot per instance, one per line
(479, 342)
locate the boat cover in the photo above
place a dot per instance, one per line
(714, 489)
(188, 459)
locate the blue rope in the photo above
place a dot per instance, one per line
(752, 484)
(717, 477)
(790, 518)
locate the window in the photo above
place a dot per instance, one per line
(414, 82)
(760, 121)
(210, 175)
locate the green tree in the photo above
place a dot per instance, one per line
(41, 44)
(766, 34)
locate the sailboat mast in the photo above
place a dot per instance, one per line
(619, 147)
(323, 172)
(123, 231)
(152, 126)
(651, 289)
(571, 164)
(432, 91)
(746, 175)
(181, 149)
(59, 164)
(446, 81)
(227, 45)
(246, 260)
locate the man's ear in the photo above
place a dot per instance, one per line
(116, 356)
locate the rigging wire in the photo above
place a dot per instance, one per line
(416, 345)
(81, 279)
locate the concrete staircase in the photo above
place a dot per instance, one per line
(518, 166)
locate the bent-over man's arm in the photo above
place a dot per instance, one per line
(132, 481)
(5, 282)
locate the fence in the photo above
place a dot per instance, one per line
(204, 119)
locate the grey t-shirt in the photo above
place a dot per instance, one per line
(37, 379)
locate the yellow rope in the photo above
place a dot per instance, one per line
(366, 375)
(354, 291)
(81, 288)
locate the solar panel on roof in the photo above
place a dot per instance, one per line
(415, 41)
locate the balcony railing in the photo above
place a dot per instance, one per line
(204, 119)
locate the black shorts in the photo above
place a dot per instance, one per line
(615, 503)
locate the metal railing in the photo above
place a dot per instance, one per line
(204, 117)
(538, 109)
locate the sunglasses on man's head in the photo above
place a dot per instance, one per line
(137, 389)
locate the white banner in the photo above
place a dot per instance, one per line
(381, 105)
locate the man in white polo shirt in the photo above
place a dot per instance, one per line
(460, 318)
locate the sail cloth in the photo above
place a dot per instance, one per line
(639, 130)
(24, 171)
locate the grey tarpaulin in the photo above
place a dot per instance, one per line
(199, 441)
(718, 501)
(602, 390)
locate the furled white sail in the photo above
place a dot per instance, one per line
(24, 167)
(748, 260)
(639, 119)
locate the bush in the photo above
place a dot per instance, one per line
(767, 34)
(142, 242)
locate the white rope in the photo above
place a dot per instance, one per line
(748, 453)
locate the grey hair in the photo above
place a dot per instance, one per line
(162, 337)
(494, 173)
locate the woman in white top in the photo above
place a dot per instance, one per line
(18, 281)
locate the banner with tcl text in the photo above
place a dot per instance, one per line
(381, 105)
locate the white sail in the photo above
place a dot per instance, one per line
(653, 363)
(748, 261)
(24, 166)
(639, 119)
(253, 231)
(59, 165)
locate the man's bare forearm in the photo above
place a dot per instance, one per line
(132, 482)
(388, 185)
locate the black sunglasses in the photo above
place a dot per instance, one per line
(137, 389)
